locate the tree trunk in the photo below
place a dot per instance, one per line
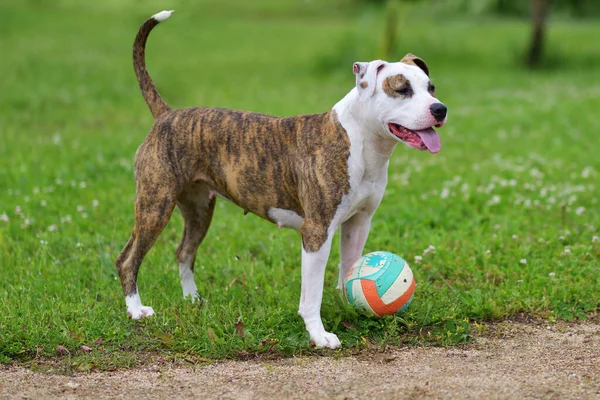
(390, 29)
(539, 12)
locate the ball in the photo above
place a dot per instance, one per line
(380, 283)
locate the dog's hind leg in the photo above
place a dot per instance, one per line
(196, 204)
(154, 204)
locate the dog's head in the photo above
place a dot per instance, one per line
(400, 98)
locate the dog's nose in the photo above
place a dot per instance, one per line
(439, 111)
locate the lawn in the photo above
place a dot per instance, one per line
(503, 221)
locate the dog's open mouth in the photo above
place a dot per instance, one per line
(425, 139)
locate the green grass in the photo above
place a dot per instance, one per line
(517, 175)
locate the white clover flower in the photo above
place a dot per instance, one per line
(595, 239)
(78, 244)
(36, 190)
(523, 261)
(418, 259)
(95, 203)
(587, 172)
(82, 185)
(84, 215)
(515, 237)
(43, 242)
(580, 210)
(4, 217)
(430, 249)
(552, 274)
(52, 228)
(80, 208)
(43, 203)
(65, 219)
(494, 200)
(445, 193)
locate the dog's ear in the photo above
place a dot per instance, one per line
(366, 76)
(414, 60)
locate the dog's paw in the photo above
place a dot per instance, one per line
(194, 297)
(325, 339)
(140, 313)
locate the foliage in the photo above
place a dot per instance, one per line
(514, 8)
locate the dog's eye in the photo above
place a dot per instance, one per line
(431, 88)
(404, 91)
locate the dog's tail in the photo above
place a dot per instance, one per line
(155, 102)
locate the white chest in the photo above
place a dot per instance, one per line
(366, 191)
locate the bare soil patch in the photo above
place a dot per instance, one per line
(510, 361)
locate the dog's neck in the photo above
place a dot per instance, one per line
(365, 131)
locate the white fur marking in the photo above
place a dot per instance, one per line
(186, 275)
(286, 218)
(135, 309)
(163, 15)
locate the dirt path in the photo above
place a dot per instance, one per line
(514, 361)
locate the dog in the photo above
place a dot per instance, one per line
(312, 173)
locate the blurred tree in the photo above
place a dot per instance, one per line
(539, 12)
(390, 29)
(395, 13)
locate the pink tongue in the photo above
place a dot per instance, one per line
(431, 139)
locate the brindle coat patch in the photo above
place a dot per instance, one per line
(396, 82)
(260, 162)
(155, 102)
(414, 60)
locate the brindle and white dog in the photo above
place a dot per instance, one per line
(312, 173)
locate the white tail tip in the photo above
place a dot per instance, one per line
(163, 15)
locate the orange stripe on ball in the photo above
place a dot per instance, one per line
(378, 306)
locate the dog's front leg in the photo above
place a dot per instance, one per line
(354, 235)
(314, 262)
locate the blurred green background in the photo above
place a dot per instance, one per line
(510, 204)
